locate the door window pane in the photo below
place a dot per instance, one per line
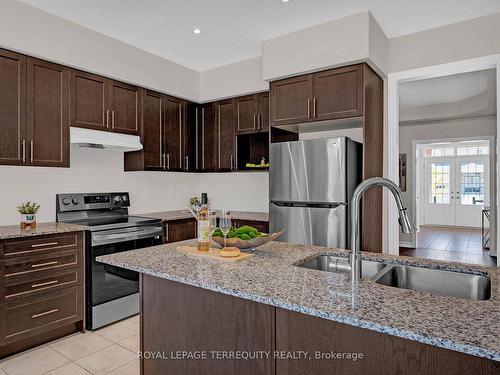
(439, 190)
(472, 183)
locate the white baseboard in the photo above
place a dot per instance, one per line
(405, 244)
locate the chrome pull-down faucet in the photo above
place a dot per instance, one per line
(404, 219)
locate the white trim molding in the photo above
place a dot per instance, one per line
(391, 136)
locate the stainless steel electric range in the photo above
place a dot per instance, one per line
(112, 293)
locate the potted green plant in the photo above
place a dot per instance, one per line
(28, 211)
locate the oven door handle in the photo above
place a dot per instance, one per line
(104, 238)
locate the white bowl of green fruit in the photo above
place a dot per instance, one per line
(245, 237)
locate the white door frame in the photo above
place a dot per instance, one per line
(417, 188)
(391, 135)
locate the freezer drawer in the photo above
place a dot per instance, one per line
(310, 225)
(309, 171)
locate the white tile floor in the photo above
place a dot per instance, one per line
(112, 350)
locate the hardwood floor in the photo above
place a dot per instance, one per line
(450, 243)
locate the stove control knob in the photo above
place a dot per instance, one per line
(124, 198)
(75, 200)
(117, 199)
(66, 201)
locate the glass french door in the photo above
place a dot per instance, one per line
(456, 189)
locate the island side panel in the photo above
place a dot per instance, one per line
(177, 317)
(383, 354)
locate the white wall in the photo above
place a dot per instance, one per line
(243, 77)
(459, 41)
(460, 128)
(244, 191)
(92, 171)
(32, 31)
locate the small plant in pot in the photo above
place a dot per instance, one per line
(28, 211)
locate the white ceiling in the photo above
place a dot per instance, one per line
(447, 89)
(233, 29)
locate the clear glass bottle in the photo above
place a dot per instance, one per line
(203, 225)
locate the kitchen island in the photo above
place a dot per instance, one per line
(310, 321)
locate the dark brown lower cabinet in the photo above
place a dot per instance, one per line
(179, 230)
(177, 318)
(261, 226)
(382, 353)
(41, 290)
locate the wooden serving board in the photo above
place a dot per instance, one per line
(212, 254)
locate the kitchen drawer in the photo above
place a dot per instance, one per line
(44, 313)
(21, 286)
(261, 226)
(40, 244)
(179, 230)
(34, 264)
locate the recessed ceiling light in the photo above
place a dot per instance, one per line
(285, 1)
(196, 31)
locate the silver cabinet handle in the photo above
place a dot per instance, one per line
(259, 121)
(112, 119)
(168, 161)
(45, 284)
(44, 244)
(255, 121)
(166, 233)
(44, 264)
(308, 108)
(107, 118)
(44, 313)
(162, 161)
(314, 107)
(187, 163)
(232, 162)
(31, 151)
(24, 150)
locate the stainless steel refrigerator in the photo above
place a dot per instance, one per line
(311, 185)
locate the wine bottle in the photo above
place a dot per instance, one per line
(203, 225)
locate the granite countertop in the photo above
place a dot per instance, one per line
(15, 231)
(471, 327)
(184, 214)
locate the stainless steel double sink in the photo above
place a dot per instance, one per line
(421, 279)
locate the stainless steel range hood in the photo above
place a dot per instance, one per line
(105, 140)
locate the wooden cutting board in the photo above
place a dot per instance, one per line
(212, 254)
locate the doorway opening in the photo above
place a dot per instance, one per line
(444, 129)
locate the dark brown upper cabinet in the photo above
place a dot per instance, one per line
(338, 93)
(263, 102)
(173, 116)
(226, 136)
(291, 100)
(206, 138)
(88, 101)
(327, 95)
(47, 114)
(252, 113)
(102, 104)
(189, 137)
(124, 104)
(12, 108)
(153, 138)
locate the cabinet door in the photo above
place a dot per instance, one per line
(207, 143)
(338, 93)
(179, 230)
(47, 114)
(172, 111)
(152, 119)
(88, 101)
(12, 108)
(189, 137)
(226, 135)
(124, 105)
(246, 114)
(291, 100)
(263, 111)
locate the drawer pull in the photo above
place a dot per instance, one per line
(44, 264)
(44, 313)
(44, 244)
(45, 284)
